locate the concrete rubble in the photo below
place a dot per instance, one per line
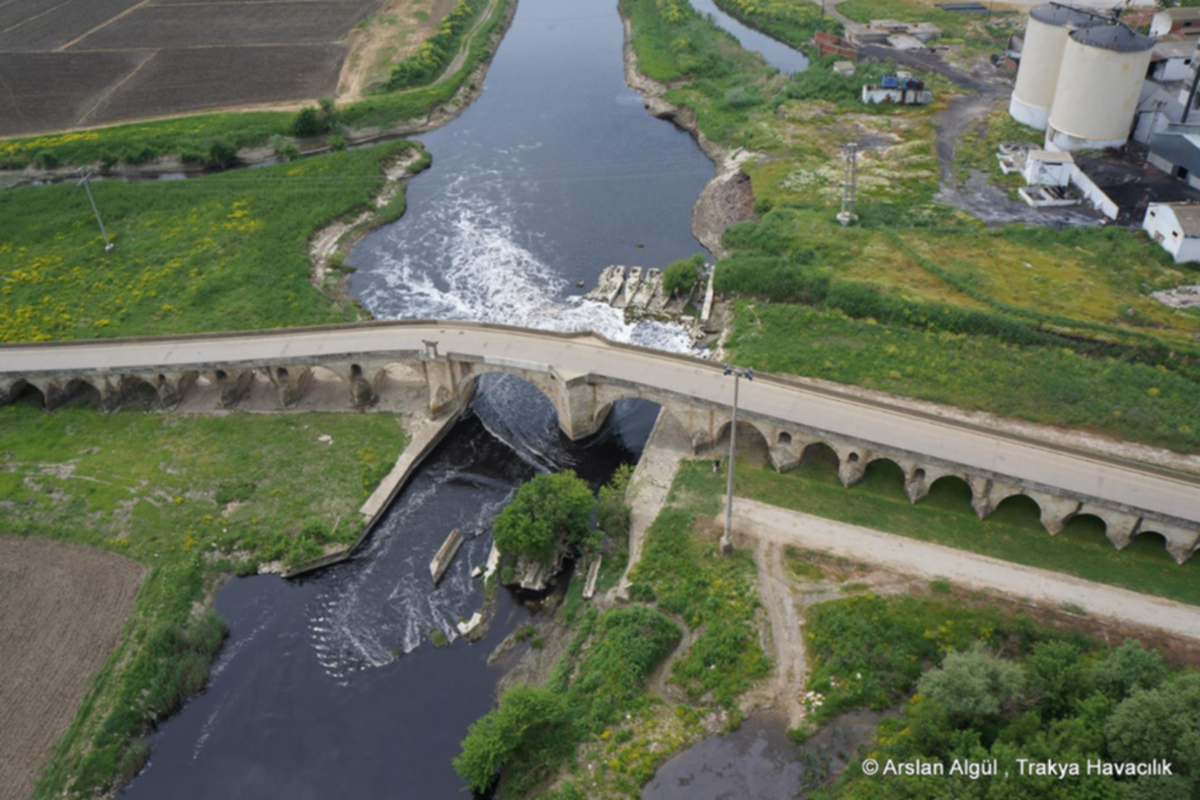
(640, 290)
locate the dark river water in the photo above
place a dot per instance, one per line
(328, 686)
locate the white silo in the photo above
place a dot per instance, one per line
(1101, 78)
(1041, 56)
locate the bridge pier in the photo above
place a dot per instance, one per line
(291, 384)
(233, 385)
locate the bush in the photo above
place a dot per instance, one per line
(614, 511)
(337, 142)
(1128, 668)
(772, 278)
(47, 160)
(974, 687)
(680, 276)
(221, 152)
(529, 723)
(290, 151)
(307, 122)
(235, 491)
(548, 510)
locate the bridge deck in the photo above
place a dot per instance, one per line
(573, 355)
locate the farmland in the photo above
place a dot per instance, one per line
(93, 62)
(61, 610)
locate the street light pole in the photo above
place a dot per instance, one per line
(738, 374)
(108, 246)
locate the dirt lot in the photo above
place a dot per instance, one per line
(62, 608)
(67, 64)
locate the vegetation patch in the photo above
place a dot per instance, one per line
(601, 679)
(993, 686)
(683, 571)
(222, 252)
(156, 488)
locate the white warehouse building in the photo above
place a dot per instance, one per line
(1176, 227)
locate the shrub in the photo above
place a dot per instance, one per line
(307, 122)
(773, 278)
(549, 509)
(680, 276)
(47, 160)
(337, 142)
(235, 491)
(742, 97)
(973, 686)
(614, 511)
(530, 721)
(290, 151)
(221, 152)
(1128, 668)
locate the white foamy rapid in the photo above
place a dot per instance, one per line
(458, 258)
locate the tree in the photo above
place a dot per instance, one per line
(529, 720)
(307, 122)
(973, 686)
(1058, 672)
(221, 152)
(1159, 723)
(614, 511)
(1127, 668)
(682, 275)
(548, 510)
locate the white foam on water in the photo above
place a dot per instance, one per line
(484, 274)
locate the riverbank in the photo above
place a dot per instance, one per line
(728, 197)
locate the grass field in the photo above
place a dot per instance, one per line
(919, 299)
(222, 252)
(193, 498)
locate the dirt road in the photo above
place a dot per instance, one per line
(768, 523)
(62, 608)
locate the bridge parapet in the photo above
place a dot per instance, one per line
(583, 376)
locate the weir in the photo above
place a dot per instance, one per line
(583, 375)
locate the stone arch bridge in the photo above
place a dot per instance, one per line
(584, 374)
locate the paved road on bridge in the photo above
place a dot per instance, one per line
(574, 355)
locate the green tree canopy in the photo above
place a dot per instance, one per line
(1127, 668)
(1057, 671)
(682, 275)
(529, 720)
(547, 509)
(973, 686)
(1159, 723)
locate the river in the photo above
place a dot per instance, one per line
(328, 686)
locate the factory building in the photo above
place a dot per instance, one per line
(1099, 84)
(1080, 78)
(1041, 57)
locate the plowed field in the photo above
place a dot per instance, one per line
(74, 63)
(62, 608)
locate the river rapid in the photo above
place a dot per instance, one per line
(328, 685)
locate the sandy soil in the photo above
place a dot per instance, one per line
(393, 33)
(62, 608)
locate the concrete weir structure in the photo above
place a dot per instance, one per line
(583, 375)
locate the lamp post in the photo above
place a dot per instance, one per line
(738, 374)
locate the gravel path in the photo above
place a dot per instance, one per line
(781, 526)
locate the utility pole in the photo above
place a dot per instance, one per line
(738, 374)
(849, 185)
(108, 246)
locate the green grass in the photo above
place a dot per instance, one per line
(158, 489)
(1012, 533)
(1053, 386)
(222, 252)
(683, 572)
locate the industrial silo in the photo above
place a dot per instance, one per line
(1103, 68)
(1037, 76)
